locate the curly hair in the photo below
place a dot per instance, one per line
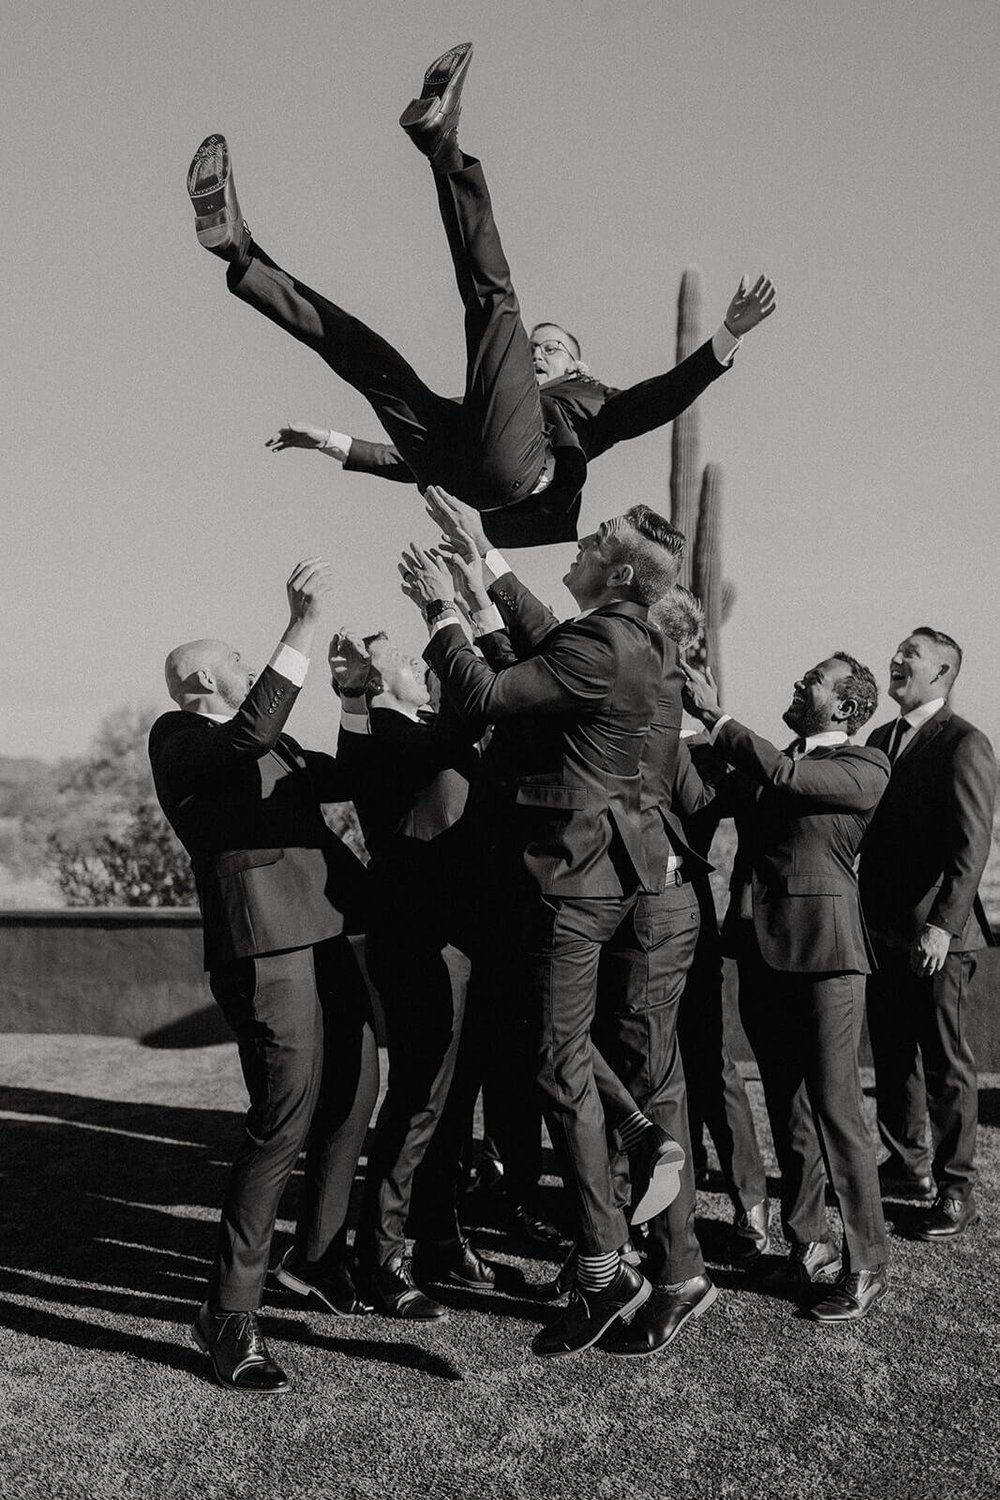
(860, 686)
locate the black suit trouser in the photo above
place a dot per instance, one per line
(642, 973)
(716, 1092)
(804, 1030)
(490, 448)
(302, 1021)
(924, 1066)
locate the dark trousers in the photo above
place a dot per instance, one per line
(924, 1066)
(490, 448)
(302, 1021)
(642, 973)
(716, 1093)
(423, 1016)
(804, 1030)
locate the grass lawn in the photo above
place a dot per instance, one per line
(114, 1158)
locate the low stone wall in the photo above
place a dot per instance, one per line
(129, 971)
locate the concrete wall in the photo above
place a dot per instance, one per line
(127, 971)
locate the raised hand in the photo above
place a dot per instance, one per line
(700, 694)
(748, 308)
(426, 576)
(309, 581)
(350, 663)
(298, 435)
(454, 515)
(466, 565)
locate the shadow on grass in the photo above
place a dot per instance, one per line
(989, 1107)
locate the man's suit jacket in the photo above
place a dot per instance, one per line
(582, 419)
(244, 800)
(800, 824)
(923, 856)
(560, 783)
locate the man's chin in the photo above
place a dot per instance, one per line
(792, 719)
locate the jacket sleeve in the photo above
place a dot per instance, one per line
(577, 671)
(652, 403)
(852, 781)
(378, 458)
(332, 779)
(969, 824)
(182, 754)
(528, 620)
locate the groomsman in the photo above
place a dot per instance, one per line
(794, 925)
(921, 863)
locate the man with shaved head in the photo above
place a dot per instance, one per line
(278, 893)
(921, 863)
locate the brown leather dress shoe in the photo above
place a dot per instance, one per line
(333, 1287)
(654, 1165)
(212, 189)
(590, 1314)
(949, 1217)
(852, 1296)
(394, 1294)
(431, 121)
(661, 1319)
(239, 1355)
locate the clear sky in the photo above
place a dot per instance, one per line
(849, 150)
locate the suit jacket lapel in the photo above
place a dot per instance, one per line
(925, 735)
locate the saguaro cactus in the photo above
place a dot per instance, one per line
(706, 573)
(684, 463)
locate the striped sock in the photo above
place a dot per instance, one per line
(595, 1272)
(633, 1129)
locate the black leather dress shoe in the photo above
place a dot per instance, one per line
(451, 1263)
(819, 1261)
(239, 1355)
(949, 1218)
(212, 189)
(654, 1165)
(588, 1315)
(333, 1286)
(751, 1235)
(897, 1182)
(661, 1319)
(528, 1224)
(431, 121)
(551, 1291)
(393, 1294)
(851, 1297)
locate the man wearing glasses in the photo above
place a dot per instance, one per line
(517, 443)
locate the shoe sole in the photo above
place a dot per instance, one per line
(201, 1343)
(214, 224)
(700, 1307)
(306, 1289)
(664, 1184)
(439, 76)
(642, 1295)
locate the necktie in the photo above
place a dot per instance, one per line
(898, 730)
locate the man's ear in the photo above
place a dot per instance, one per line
(205, 680)
(845, 710)
(622, 575)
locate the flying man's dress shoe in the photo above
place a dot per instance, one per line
(333, 1287)
(431, 121)
(588, 1314)
(212, 189)
(819, 1261)
(451, 1263)
(660, 1319)
(949, 1218)
(392, 1291)
(854, 1293)
(239, 1355)
(654, 1165)
(751, 1235)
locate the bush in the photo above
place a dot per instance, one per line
(144, 865)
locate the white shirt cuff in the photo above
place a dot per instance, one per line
(337, 445)
(485, 621)
(496, 562)
(725, 345)
(355, 723)
(714, 731)
(452, 617)
(290, 663)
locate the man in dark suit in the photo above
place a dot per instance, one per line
(921, 864)
(794, 926)
(556, 812)
(278, 893)
(518, 442)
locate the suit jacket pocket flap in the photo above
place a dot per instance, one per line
(246, 859)
(534, 795)
(813, 885)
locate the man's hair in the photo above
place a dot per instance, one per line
(551, 323)
(679, 616)
(862, 687)
(940, 639)
(373, 682)
(653, 548)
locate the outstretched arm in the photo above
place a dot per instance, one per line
(354, 453)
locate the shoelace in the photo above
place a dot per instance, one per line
(249, 1329)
